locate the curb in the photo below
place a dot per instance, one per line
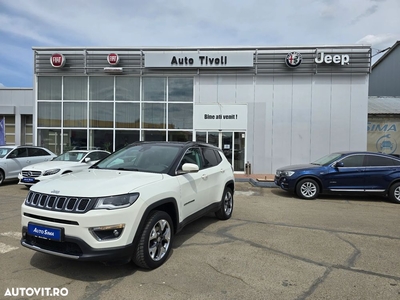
(256, 183)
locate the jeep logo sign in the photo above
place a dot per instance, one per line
(342, 59)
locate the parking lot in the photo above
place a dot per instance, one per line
(275, 246)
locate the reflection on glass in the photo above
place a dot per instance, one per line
(239, 151)
(154, 88)
(50, 139)
(153, 135)
(49, 87)
(201, 137)
(180, 136)
(101, 88)
(74, 139)
(101, 139)
(127, 88)
(180, 89)
(75, 114)
(153, 115)
(213, 138)
(75, 88)
(180, 116)
(125, 137)
(127, 115)
(101, 114)
(49, 114)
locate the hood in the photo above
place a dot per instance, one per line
(96, 183)
(53, 164)
(299, 167)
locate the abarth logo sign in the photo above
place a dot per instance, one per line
(293, 59)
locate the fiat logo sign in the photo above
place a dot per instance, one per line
(57, 60)
(113, 59)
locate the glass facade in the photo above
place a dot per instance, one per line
(109, 112)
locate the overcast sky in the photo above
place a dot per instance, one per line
(38, 23)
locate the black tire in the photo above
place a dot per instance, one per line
(307, 189)
(155, 241)
(226, 209)
(1, 177)
(394, 193)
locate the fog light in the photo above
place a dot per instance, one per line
(107, 232)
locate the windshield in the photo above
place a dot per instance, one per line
(328, 159)
(4, 151)
(71, 156)
(144, 158)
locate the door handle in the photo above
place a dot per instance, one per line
(204, 176)
(222, 171)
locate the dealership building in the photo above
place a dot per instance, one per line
(264, 106)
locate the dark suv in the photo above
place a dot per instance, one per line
(344, 172)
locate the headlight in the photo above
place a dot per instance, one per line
(114, 202)
(51, 172)
(288, 173)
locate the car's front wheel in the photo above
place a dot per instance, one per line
(226, 209)
(394, 193)
(307, 189)
(155, 241)
(1, 177)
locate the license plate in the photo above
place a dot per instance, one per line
(45, 232)
(28, 180)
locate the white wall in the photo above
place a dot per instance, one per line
(294, 119)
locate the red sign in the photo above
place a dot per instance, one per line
(57, 60)
(113, 59)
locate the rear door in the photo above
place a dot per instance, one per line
(37, 155)
(214, 170)
(380, 171)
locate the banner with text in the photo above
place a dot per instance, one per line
(220, 117)
(2, 132)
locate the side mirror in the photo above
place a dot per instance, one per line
(190, 168)
(87, 159)
(339, 164)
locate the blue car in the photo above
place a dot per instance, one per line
(344, 172)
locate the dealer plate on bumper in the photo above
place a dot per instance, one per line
(45, 232)
(28, 180)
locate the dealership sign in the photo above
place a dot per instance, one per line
(57, 60)
(199, 59)
(113, 59)
(220, 117)
(342, 59)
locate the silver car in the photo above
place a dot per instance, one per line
(14, 158)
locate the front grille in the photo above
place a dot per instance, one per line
(59, 203)
(31, 173)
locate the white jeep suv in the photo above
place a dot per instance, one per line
(128, 206)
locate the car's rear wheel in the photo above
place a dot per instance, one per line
(307, 189)
(226, 209)
(1, 177)
(155, 241)
(394, 193)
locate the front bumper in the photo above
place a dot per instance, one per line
(284, 183)
(76, 248)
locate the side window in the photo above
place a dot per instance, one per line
(210, 158)
(20, 152)
(192, 156)
(353, 161)
(37, 152)
(379, 161)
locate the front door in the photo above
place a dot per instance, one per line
(232, 144)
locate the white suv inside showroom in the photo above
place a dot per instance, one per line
(128, 206)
